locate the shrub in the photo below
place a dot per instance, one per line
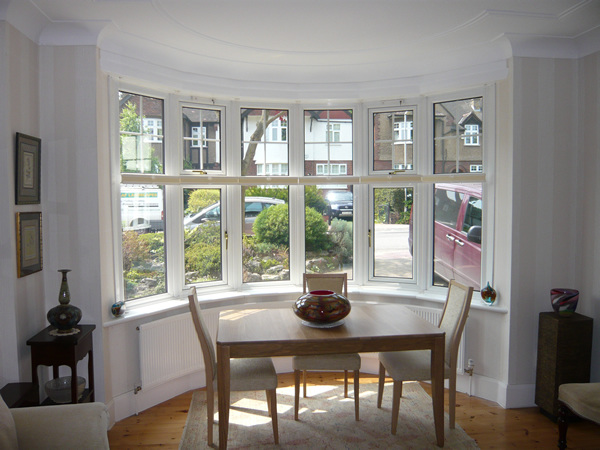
(341, 238)
(156, 245)
(272, 225)
(203, 251)
(313, 197)
(201, 198)
(135, 249)
(256, 191)
(316, 237)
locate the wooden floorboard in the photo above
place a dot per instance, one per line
(489, 424)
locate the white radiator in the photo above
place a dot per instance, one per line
(169, 348)
(433, 316)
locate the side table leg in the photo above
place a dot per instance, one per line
(91, 375)
(74, 398)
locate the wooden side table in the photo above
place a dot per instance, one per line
(55, 351)
(564, 356)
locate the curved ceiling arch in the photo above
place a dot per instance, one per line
(311, 47)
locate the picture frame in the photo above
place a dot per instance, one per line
(29, 243)
(27, 170)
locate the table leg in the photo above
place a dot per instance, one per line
(91, 375)
(437, 388)
(74, 398)
(223, 377)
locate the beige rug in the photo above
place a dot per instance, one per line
(326, 421)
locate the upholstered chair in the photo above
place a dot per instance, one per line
(336, 282)
(416, 365)
(581, 398)
(246, 374)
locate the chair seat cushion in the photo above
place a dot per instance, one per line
(347, 361)
(252, 374)
(582, 398)
(413, 365)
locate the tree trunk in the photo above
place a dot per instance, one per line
(256, 137)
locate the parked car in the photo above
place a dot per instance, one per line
(457, 244)
(339, 205)
(253, 207)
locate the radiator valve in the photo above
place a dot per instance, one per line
(470, 366)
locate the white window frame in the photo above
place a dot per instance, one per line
(403, 131)
(471, 134)
(363, 180)
(221, 144)
(198, 137)
(327, 168)
(276, 130)
(155, 125)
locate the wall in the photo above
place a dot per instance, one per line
(21, 299)
(70, 130)
(551, 198)
(588, 130)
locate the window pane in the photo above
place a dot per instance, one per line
(202, 235)
(329, 235)
(392, 234)
(393, 140)
(266, 235)
(327, 141)
(143, 241)
(141, 133)
(260, 147)
(458, 136)
(457, 243)
(201, 139)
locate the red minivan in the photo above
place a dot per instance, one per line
(457, 245)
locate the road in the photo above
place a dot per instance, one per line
(392, 258)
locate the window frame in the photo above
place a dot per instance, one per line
(184, 103)
(229, 179)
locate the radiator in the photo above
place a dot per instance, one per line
(169, 348)
(433, 316)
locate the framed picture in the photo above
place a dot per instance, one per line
(29, 243)
(28, 164)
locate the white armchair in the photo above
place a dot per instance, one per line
(65, 427)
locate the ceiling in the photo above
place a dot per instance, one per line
(312, 48)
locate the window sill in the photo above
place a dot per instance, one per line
(263, 295)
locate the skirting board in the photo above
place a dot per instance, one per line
(129, 404)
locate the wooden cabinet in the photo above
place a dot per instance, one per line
(564, 356)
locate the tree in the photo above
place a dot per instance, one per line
(256, 137)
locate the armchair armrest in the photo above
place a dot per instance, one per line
(83, 425)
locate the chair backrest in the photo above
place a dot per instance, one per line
(336, 282)
(208, 349)
(454, 317)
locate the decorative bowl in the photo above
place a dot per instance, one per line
(59, 389)
(322, 308)
(564, 301)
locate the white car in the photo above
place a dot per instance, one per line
(254, 206)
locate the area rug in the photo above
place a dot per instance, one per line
(326, 421)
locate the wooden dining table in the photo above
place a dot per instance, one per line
(257, 332)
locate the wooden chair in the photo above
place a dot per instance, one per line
(247, 374)
(582, 399)
(336, 282)
(416, 365)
